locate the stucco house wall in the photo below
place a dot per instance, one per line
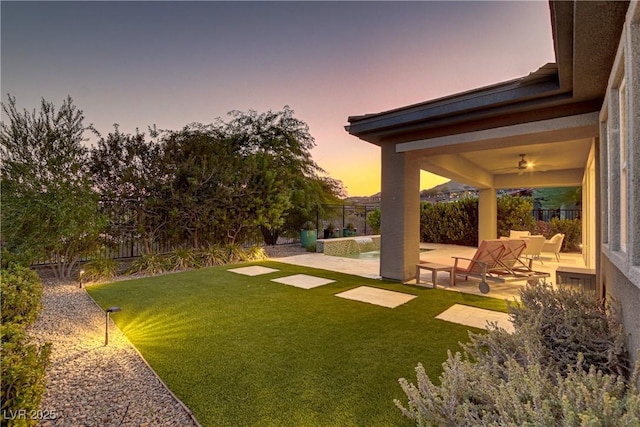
(620, 181)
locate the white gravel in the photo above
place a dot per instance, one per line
(89, 384)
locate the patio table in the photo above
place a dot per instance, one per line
(434, 268)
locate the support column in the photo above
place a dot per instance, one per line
(487, 214)
(400, 208)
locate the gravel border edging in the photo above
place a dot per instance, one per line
(91, 384)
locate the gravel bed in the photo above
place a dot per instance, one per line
(280, 251)
(90, 384)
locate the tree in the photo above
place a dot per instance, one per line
(558, 197)
(295, 188)
(49, 209)
(127, 172)
(514, 213)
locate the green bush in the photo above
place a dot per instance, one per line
(454, 223)
(374, 220)
(457, 222)
(213, 255)
(514, 213)
(572, 230)
(235, 253)
(23, 377)
(20, 295)
(99, 268)
(183, 259)
(565, 364)
(256, 253)
(23, 364)
(149, 264)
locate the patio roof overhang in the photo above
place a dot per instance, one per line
(551, 114)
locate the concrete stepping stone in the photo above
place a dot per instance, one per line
(476, 317)
(382, 297)
(254, 270)
(303, 281)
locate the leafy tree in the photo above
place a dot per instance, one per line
(127, 172)
(374, 218)
(558, 197)
(199, 164)
(284, 143)
(514, 213)
(49, 209)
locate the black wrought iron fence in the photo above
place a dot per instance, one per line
(352, 219)
(547, 214)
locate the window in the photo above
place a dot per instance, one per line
(622, 108)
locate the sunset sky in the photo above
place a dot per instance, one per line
(173, 63)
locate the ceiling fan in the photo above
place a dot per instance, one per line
(523, 166)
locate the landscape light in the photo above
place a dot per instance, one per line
(106, 323)
(80, 278)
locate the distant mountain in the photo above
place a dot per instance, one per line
(448, 187)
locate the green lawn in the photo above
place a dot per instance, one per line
(243, 350)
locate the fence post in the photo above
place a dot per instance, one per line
(365, 220)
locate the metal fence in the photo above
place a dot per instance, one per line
(342, 217)
(547, 214)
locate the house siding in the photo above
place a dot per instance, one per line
(619, 277)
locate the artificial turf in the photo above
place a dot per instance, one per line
(241, 350)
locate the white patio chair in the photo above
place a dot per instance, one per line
(554, 245)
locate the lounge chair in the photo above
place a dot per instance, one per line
(497, 258)
(554, 245)
(512, 264)
(510, 258)
(485, 259)
(532, 249)
(516, 234)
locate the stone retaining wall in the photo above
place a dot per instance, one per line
(348, 245)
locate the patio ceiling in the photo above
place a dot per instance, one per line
(555, 164)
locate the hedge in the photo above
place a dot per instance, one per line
(457, 222)
(23, 363)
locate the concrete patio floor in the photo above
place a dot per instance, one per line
(442, 254)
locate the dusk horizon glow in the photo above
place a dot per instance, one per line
(169, 64)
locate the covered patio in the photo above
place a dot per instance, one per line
(477, 137)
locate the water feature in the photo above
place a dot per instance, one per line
(365, 244)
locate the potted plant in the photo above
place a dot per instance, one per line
(308, 235)
(349, 231)
(329, 230)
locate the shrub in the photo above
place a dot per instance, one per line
(182, 259)
(149, 264)
(20, 295)
(23, 376)
(235, 253)
(569, 322)
(16, 258)
(99, 268)
(374, 220)
(572, 230)
(514, 213)
(213, 255)
(308, 225)
(454, 223)
(23, 364)
(256, 253)
(546, 373)
(542, 227)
